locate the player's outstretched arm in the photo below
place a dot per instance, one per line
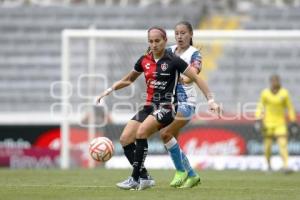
(124, 82)
(205, 90)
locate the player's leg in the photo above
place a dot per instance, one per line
(137, 179)
(169, 136)
(171, 144)
(283, 149)
(267, 149)
(147, 128)
(282, 141)
(174, 150)
(161, 117)
(268, 135)
(184, 114)
(127, 140)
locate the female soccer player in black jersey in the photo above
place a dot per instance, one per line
(161, 70)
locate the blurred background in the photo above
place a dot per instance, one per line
(237, 70)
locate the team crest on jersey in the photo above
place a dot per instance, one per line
(164, 66)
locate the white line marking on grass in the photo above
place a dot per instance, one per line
(249, 188)
(61, 186)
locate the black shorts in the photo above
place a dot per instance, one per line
(164, 114)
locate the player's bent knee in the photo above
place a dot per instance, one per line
(125, 140)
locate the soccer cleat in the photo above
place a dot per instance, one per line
(178, 179)
(152, 181)
(287, 171)
(269, 168)
(191, 182)
(145, 183)
(128, 184)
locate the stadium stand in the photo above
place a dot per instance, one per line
(30, 46)
(273, 17)
(240, 71)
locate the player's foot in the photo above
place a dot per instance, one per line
(178, 179)
(152, 181)
(191, 181)
(145, 183)
(269, 168)
(287, 171)
(128, 184)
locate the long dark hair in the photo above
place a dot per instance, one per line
(189, 27)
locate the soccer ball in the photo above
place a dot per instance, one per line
(101, 149)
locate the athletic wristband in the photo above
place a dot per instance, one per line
(109, 90)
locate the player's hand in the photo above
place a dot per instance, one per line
(214, 107)
(105, 93)
(294, 128)
(258, 126)
(98, 98)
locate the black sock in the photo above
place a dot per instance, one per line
(144, 172)
(129, 153)
(139, 157)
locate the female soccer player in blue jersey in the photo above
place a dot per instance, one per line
(161, 70)
(185, 176)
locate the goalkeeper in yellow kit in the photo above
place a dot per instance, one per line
(270, 113)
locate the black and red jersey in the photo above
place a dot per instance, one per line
(161, 77)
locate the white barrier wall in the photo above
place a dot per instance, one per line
(210, 162)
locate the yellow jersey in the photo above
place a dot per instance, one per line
(272, 107)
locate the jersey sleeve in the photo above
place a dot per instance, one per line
(260, 107)
(138, 65)
(181, 65)
(290, 108)
(196, 60)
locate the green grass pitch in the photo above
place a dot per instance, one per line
(99, 183)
